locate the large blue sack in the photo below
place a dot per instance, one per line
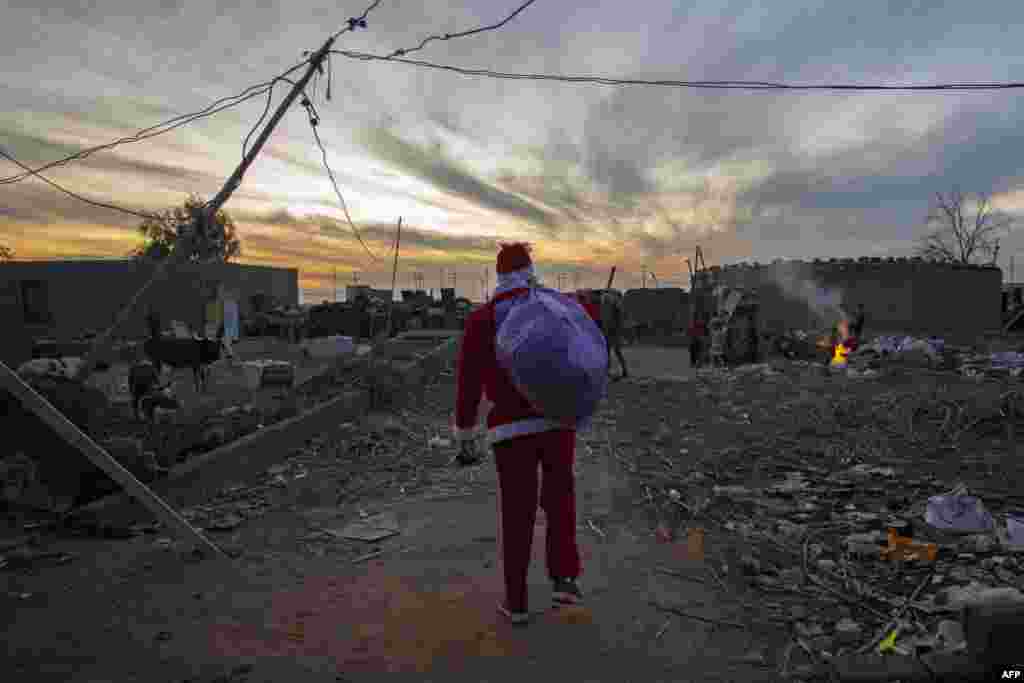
(554, 353)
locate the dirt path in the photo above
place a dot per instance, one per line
(299, 605)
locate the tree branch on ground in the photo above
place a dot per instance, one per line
(966, 229)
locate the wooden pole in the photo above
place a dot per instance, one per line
(394, 277)
(74, 436)
(104, 343)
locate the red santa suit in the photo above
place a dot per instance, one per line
(590, 307)
(523, 440)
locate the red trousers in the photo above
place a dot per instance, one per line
(517, 461)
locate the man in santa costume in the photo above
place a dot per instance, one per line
(524, 441)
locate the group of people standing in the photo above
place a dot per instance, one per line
(711, 337)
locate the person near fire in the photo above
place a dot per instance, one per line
(857, 326)
(524, 441)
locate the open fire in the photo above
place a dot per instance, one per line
(841, 351)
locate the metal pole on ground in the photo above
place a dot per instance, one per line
(74, 436)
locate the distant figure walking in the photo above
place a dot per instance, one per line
(857, 326)
(719, 339)
(613, 325)
(698, 333)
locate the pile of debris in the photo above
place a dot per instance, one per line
(849, 565)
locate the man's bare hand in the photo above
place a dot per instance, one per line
(468, 454)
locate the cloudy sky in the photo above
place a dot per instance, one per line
(593, 175)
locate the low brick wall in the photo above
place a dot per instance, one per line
(245, 460)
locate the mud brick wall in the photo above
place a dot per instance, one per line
(89, 295)
(666, 308)
(911, 295)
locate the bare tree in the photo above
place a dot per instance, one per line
(966, 229)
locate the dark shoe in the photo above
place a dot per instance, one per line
(513, 617)
(566, 592)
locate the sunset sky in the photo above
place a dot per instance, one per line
(593, 175)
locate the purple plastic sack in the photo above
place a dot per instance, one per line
(554, 353)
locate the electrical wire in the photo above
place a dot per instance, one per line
(164, 127)
(76, 195)
(259, 122)
(462, 34)
(721, 85)
(314, 121)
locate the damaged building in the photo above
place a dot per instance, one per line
(62, 299)
(904, 294)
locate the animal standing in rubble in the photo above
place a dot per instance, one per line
(197, 353)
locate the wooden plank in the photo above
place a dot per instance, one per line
(74, 436)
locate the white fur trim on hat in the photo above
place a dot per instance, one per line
(517, 279)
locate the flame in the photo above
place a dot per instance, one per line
(840, 355)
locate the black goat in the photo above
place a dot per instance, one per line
(196, 353)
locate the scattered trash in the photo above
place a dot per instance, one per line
(888, 643)
(1014, 533)
(370, 529)
(904, 549)
(950, 634)
(848, 631)
(976, 594)
(958, 513)
(226, 523)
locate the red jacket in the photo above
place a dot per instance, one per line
(479, 374)
(593, 309)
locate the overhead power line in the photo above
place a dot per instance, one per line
(74, 194)
(164, 127)
(314, 121)
(462, 34)
(720, 85)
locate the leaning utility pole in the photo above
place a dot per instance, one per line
(202, 219)
(183, 249)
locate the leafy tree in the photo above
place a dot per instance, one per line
(221, 243)
(967, 229)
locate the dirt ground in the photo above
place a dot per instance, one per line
(297, 603)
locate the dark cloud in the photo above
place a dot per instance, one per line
(431, 166)
(973, 149)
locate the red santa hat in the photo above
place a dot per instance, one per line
(513, 257)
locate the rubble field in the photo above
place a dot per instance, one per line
(793, 476)
(774, 485)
